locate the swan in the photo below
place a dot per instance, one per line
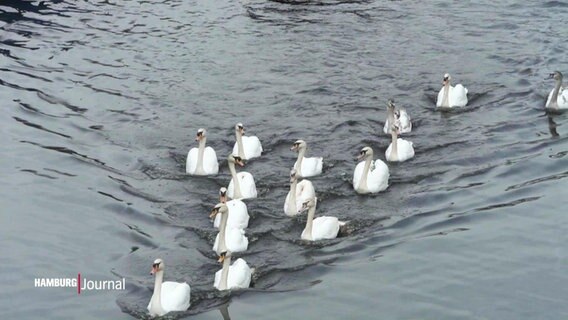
(399, 149)
(558, 97)
(242, 184)
(228, 239)
(202, 161)
(306, 167)
(238, 212)
(299, 193)
(320, 227)
(246, 147)
(233, 276)
(397, 116)
(370, 176)
(168, 296)
(449, 96)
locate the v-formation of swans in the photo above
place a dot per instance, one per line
(231, 217)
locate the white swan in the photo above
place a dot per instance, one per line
(558, 97)
(168, 296)
(228, 239)
(449, 96)
(397, 116)
(320, 227)
(238, 212)
(370, 176)
(242, 184)
(233, 276)
(399, 149)
(203, 160)
(299, 193)
(306, 167)
(246, 147)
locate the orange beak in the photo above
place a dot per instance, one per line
(153, 271)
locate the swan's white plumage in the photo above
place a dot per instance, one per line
(310, 166)
(235, 240)
(405, 151)
(457, 96)
(402, 122)
(238, 215)
(252, 147)
(247, 185)
(562, 98)
(323, 228)
(304, 191)
(377, 177)
(210, 163)
(174, 297)
(239, 275)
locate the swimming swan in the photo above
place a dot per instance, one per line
(558, 97)
(242, 184)
(397, 116)
(238, 212)
(168, 296)
(320, 227)
(228, 239)
(299, 193)
(370, 176)
(449, 96)
(399, 149)
(233, 276)
(246, 147)
(306, 167)
(203, 160)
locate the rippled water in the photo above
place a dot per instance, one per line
(102, 101)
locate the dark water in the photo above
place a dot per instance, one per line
(101, 101)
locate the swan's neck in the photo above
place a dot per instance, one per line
(366, 168)
(292, 200)
(225, 272)
(309, 223)
(236, 185)
(446, 98)
(394, 148)
(222, 247)
(554, 99)
(301, 154)
(239, 137)
(200, 153)
(390, 118)
(156, 306)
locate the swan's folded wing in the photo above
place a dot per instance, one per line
(191, 162)
(210, 163)
(252, 147)
(358, 174)
(239, 274)
(175, 296)
(325, 228)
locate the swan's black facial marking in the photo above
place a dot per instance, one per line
(237, 158)
(200, 133)
(446, 78)
(241, 127)
(363, 152)
(155, 265)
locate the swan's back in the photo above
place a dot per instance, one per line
(378, 179)
(458, 96)
(175, 296)
(247, 185)
(325, 228)
(251, 145)
(210, 163)
(238, 215)
(235, 240)
(240, 275)
(310, 166)
(562, 99)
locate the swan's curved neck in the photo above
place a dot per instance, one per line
(222, 247)
(554, 98)
(301, 154)
(309, 223)
(239, 137)
(236, 185)
(446, 98)
(390, 118)
(363, 184)
(394, 148)
(156, 306)
(200, 153)
(225, 272)
(292, 201)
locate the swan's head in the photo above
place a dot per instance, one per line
(395, 129)
(390, 105)
(157, 266)
(293, 175)
(556, 75)
(200, 134)
(222, 257)
(236, 159)
(446, 79)
(365, 153)
(239, 128)
(223, 195)
(220, 208)
(310, 203)
(299, 144)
